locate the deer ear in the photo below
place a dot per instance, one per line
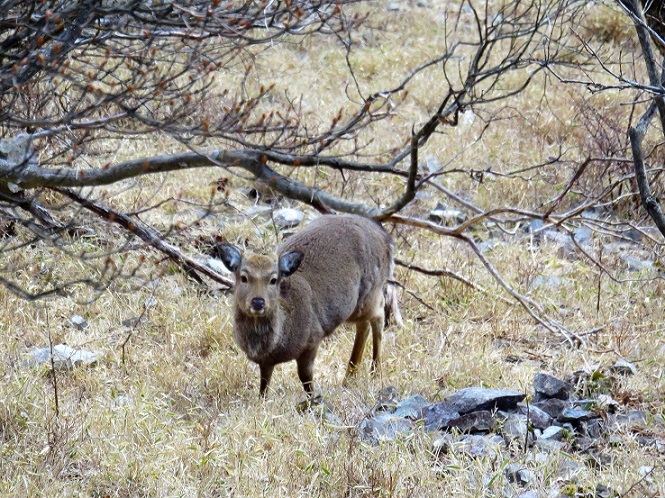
(290, 262)
(230, 256)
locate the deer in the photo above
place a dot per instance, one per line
(334, 271)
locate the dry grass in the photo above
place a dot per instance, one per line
(177, 414)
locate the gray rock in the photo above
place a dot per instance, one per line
(583, 235)
(516, 428)
(518, 474)
(553, 433)
(570, 469)
(288, 217)
(534, 226)
(411, 407)
(442, 443)
(480, 421)
(537, 417)
(476, 446)
(258, 211)
(633, 418)
(18, 154)
(438, 415)
(387, 400)
(547, 282)
(384, 427)
(321, 410)
(607, 403)
(394, 6)
(79, 322)
(623, 367)
(634, 264)
(133, 322)
(576, 415)
(474, 399)
(64, 357)
(603, 491)
(531, 494)
(445, 216)
(553, 407)
(548, 386)
(550, 446)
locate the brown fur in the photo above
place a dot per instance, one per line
(333, 271)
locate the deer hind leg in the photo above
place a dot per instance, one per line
(362, 332)
(377, 335)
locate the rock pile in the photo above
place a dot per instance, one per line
(497, 423)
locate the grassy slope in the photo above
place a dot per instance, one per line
(180, 415)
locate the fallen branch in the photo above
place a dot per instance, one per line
(531, 307)
(148, 235)
(445, 273)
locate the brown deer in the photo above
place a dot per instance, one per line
(333, 271)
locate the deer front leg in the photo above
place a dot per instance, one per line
(306, 371)
(266, 374)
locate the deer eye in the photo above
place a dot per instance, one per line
(273, 281)
(243, 279)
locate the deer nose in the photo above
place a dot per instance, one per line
(258, 303)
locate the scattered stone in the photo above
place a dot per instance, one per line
(151, 302)
(64, 357)
(320, 408)
(607, 404)
(476, 446)
(411, 407)
(547, 386)
(631, 419)
(537, 417)
(637, 265)
(550, 445)
(516, 428)
(133, 322)
(473, 399)
(257, 211)
(547, 282)
(394, 6)
(518, 474)
(121, 400)
(445, 216)
(583, 235)
(530, 494)
(387, 401)
(441, 443)
(79, 322)
(438, 415)
(599, 461)
(645, 470)
(603, 491)
(384, 427)
(623, 367)
(569, 470)
(615, 441)
(576, 415)
(553, 407)
(480, 421)
(534, 226)
(553, 433)
(288, 217)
